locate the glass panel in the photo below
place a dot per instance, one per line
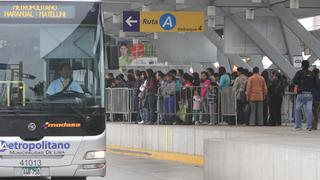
(50, 63)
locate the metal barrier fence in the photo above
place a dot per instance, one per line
(186, 105)
(119, 102)
(228, 104)
(179, 105)
(288, 106)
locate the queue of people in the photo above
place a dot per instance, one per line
(177, 97)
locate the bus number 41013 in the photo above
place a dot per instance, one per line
(30, 163)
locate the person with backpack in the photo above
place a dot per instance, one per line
(276, 92)
(239, 87)
(304, 82)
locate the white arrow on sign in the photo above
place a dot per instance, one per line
(130, 21)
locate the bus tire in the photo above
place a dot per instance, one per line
(68, 178)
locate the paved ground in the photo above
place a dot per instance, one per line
(133, 168)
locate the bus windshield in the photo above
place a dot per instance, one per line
(50, 54)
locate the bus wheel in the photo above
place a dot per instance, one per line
(68, 178)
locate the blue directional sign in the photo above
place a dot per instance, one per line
(131, 21)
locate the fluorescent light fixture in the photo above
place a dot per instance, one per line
(155, 36)
(122, 34)
(135, 40)
(216, 65)
(179, 1)
(116, 19)
(211, 11)
(256, 1)
(146, 7)
(211, 22)
(249, 14)
(294, 4)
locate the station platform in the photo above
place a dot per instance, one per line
(186, 141)
(225, 153)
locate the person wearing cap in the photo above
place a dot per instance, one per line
(64, 83)
(304, 81)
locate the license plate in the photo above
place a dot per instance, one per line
(31, 171)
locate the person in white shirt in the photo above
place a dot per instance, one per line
(64, 83)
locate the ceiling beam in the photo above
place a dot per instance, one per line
(247, 3)
(172, 2)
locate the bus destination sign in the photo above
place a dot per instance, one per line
(37, 11)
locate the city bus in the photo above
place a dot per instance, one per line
(52, 118)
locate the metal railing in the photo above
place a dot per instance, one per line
(185, 105)
(174, 105)
(288, 106)
(119, 102)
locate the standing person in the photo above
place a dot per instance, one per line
(224, 78)
(131, 80)
(196, 106)
(178, 78)
(161, 79)
(186, 96)
(196, 80)
(256, 93)
(212, 95)
(168, 94)
(142, 98)
(316, 100)
(151, 91)
(210, 72)
(239, 87)
(136, 92)
(265, 75)
(205, 83)
(109, 78)
(276, 92)
(304, 81)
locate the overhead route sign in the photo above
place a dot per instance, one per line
(135, 21)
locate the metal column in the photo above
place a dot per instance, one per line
(274, 55)
(293, 24)
(292, 42)
(218, 42)
(223, 61)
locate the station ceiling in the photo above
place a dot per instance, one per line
(308, 8)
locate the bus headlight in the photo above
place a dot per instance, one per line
(96, 155)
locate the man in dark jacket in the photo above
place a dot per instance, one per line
(316, 100)
(305, 81)
(276, 92)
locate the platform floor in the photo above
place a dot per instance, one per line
(133, 168)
